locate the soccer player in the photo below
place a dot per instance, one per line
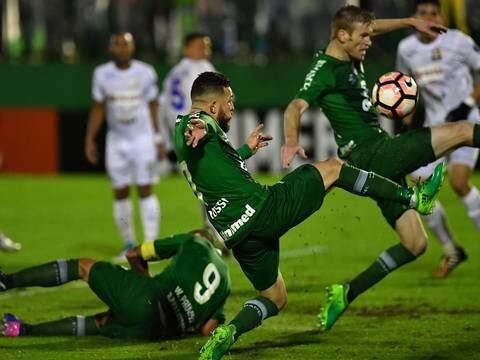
(126, 91)
(442, 67)
(175, 95)
(336, 83)
(252, 217)
(7, 244)
(188, 296)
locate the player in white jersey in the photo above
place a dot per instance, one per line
(443, 67)
(175, 97)
(125, 90)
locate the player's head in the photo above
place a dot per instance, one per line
(197, 46)
(352, 28)
(122, 47)
(429, 10)
(211, 92)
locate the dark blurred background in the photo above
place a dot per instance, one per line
(50, 47)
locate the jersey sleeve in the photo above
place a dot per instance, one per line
(98, 93)
(471, 52)
(244, 151)
(164, 248)
(151, 87)
(319, 79)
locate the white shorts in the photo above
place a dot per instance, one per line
(131, 162)
(465, 156)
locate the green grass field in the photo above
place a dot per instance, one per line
(409, 315)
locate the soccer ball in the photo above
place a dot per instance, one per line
(395, 95)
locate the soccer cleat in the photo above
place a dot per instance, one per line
(6, 244)
(449, 262)
(219, 343)
(335, 306)
(426, 191)
(12, 326)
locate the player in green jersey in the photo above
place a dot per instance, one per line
(186, 297)
(251, 217)
(336, 83)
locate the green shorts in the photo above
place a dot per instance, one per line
(131, 298)
(394, 158)
(293, 199)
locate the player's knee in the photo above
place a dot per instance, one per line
(281, 300)
(419, 246)
(145, 191)
(84, 267)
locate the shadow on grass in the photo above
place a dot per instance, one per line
(285, 341)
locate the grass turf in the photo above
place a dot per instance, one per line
(409, 315)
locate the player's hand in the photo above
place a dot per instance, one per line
(136, 261)
(91, 152)
(428, 27)
(161, 152)
(196, 131)
(459, 113)
(257, 139)
(289, 152)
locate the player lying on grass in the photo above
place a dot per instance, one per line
(252, 217)
(187, 296)
(336, 83)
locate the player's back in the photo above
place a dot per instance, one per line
(196, 283)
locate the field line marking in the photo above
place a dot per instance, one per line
(302, 252)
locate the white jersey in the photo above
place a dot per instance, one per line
(175, 97)
(442, 69)
(126, 94)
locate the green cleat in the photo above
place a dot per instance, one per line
(336, 304)
(426, 191)
(219, 343)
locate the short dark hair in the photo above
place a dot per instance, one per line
(431, 2)
(193, 36)
(347, 15)
(209, 82)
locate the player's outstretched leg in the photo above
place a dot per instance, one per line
(51, 274)
(71, 326)
(363, 183)
(219, 343)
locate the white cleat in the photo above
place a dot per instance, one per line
(7, 244)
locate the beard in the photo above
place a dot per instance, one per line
(223, 121)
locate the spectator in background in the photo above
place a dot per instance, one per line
(125, 90)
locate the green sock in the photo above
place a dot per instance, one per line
(51, 274)
(71, 326)
(366, 183)
(476, 135)
(388, 261)
(253, 313)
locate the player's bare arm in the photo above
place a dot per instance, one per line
(208, 327)
(96, 118)
(257, 139)
(291, 124)
(136, 261)
(196, 131)
(381, 26)
(153, 107)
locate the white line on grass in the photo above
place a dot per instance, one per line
(302, 252)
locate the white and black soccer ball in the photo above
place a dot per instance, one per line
(395, 95)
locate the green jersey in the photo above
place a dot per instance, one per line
(218, 176)
(196, 283)
(340, 89)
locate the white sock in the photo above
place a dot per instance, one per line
(472, 204)
(437, 222)
(150, 212)
(123, 215)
